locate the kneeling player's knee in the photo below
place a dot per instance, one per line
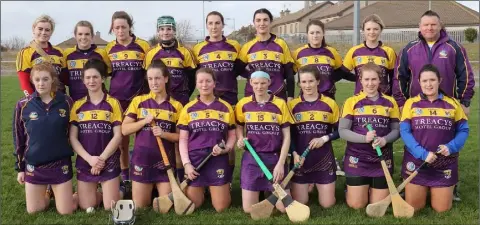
(441, 208)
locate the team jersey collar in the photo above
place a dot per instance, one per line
(321, 46)
(153, 96)
(320, 96)
(103, 99)
(207, 39)
(269, 100)
(424, 97)
(92, 47)
(214, 100)
(174, 46)
(363, 94)
(36, 95)
(134, 38)
(380, 43)
(272, 37)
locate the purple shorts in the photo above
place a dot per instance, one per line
(367, 167)
(124, 104)
(215, 172)
(57, 172)
(148, 174)
(111, 170)
(442, 173)
(318, 168)
(251, 176)
(182, 97)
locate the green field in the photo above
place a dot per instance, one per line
(13, 208)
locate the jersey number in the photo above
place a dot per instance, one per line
(312, 117)
(260, 118)
(94, 116)
(207, 115)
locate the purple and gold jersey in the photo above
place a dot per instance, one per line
(221, 57)
(325, 59)
(75, 60)
(272, 56)
(207, 125)
(95, 126)
(28, 57)
(264, 122)
(128, 75)
(145, 150)
(433, 124)
(382, 55)
(380, 114)
(313, 120)
(179, 61)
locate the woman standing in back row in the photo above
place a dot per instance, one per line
(126, 54)
(325, 58)
(372, 50)
(271, 54)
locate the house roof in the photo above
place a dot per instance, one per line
(406, 14)
(296, 16)
(96, 40)
(335, 9)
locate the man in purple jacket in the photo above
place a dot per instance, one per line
(434, 46)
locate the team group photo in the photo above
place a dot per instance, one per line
(341, 112)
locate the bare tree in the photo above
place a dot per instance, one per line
(184, 30)
(14, 43)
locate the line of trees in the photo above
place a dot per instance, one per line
(13, 43)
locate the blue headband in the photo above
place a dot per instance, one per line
(260, 74)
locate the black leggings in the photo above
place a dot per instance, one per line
(374, 182)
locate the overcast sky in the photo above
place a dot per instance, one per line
(17, 17)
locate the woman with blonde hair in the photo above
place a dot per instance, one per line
(40, 50)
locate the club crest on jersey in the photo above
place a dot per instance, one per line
(62, 112)
(410, 166)
(447, 174)
(418, 111)
(247, 116)
(115, 56)
(384, 62)
(304, 61)
(220, 173)
(371, 59)
(107, 116)
(274, 117)
(353, 160)
(144, 112)
(277, 56)
(194, 115)
(359, 60)
(65, 169)
(221, 116)
(361, 110)
(230, 56)
(30, 168)
(73, 63)
(389, 163)
(442, 54)
(253, 56)
(328, 60)
(205, 57)
(325, 117)
(170, 116)
(138, 55)
(447, 113)
(80, 116)
(33, 116)
(298, 116)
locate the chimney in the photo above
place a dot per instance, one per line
(363, 4)
(282, 13)
(97, 34)
(287, 12)
(312, 3)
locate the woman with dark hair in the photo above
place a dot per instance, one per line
(269, 53)
(325, 58)
(148, 170)
(434, 129)
(316, 126)
(204, 124)
(220, 54)
(365, 178)
(372, 50)
(126, 54)
(95, 137)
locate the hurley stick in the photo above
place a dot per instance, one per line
(296, 211)
(264, 209)
(379, 208)
(400, 207)
(165, 202)
(183, 205)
